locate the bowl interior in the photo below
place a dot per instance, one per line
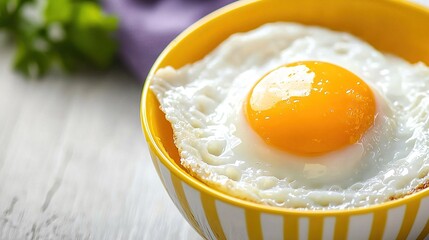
(396, 27)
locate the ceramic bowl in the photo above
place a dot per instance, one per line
(391, 26)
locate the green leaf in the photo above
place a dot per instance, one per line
(91, 34)
(95, 44)
(58, 11)
(89, 15)
(74, 34)
(30, 61)
(10, 13)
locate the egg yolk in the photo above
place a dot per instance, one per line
(310, 108)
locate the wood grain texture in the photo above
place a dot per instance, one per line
(74, 163)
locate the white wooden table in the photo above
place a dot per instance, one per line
(74, 163)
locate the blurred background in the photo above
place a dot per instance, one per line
(73, 160)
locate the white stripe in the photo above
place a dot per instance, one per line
(328, 228)
(272, 226)
(194, 201)
(421, 219)
(166, 178)
(233, 221)
(303, 228)
(360, 226)
(395, 217)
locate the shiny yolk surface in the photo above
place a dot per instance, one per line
(310, 107)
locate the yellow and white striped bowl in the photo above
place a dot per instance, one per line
(390, 25)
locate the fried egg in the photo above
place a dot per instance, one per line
(300, 117)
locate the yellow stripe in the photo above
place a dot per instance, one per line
(253, 223)
(316, 228)
(212, 217)
(378, 225)
(408, 222)
(290, 228)
(341, 227)
(425, 232)
(178, 188)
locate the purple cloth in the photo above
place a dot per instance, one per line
(147, 26)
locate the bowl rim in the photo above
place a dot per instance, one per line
(216, 194)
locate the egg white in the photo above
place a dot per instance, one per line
(204, 101)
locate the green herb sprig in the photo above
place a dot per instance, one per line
(66, 33)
